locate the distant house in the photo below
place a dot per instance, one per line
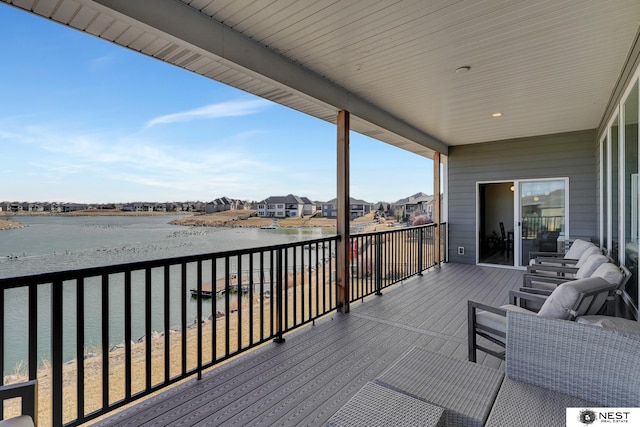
(53, 207)
(309, 207)
(357, 208)
(282, 207)
(15, 207)
(224, 204)
(418, 204)
(73, 207)
(36, 207)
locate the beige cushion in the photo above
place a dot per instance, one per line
(609, 272)
(21, 421)
(559, 304)
(590, 265)
(577, 248)
(497, 322)
(608, 322)
(593, 250)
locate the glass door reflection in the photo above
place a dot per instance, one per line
(543, 216)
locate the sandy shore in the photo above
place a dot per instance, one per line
(233, 218)
(248, 218)
(5, 224)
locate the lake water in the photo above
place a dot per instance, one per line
(56, 243)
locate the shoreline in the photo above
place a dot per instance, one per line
(249, 219)
(229, 219)
(94, 212)
(6, 224)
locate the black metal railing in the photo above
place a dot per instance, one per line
(381, 259)
(173, 318)
(533, 226)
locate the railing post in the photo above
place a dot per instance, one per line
(198, 316)
(420, 233)
(436, 205)
(279, 338)
(57, 360)
(378, 264)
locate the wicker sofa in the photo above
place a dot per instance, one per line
(551, 365)
(554, 364)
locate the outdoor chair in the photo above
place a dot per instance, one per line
(585, 267)
(610, 272)
(607, 270)
(560, 258)
(569, 300)
(28, 393)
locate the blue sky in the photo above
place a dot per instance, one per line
(84, 120)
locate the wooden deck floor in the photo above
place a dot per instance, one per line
(307, 379)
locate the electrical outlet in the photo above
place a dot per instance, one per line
(460, 250)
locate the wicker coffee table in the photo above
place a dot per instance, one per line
(465, 390)
(378, 406)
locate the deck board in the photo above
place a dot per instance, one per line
(307, 379)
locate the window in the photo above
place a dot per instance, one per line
(619, 189)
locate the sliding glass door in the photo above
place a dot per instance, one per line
(521, 216)
(629, 186)
(543, 212)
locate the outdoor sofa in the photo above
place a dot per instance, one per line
(551, 365)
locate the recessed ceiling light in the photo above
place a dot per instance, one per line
(464, 69)
(496, 115)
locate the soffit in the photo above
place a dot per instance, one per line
(548, 66)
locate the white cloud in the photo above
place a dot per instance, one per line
(132, 164)
(213, 111)
(101, 61)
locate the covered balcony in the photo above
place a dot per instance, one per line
(528, 111)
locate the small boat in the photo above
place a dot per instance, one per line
(272, 226)
(206, 291)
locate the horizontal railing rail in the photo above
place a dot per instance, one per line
(99, 338)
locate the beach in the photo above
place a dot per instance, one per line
(6, 224)
(248, 218)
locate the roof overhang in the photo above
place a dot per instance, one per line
(549, 67)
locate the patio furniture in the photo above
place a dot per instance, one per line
(568, 301)
(465, 390)
(548, 277)
(551, 365)
(610, 322)
(28, 393)
(608, 271)
(21, 421)
(378, 406)
(561, 258)
(558, 270)
(547, 240)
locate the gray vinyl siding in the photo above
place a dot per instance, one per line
(571, 155)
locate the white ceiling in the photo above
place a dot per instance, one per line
(548, 66)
